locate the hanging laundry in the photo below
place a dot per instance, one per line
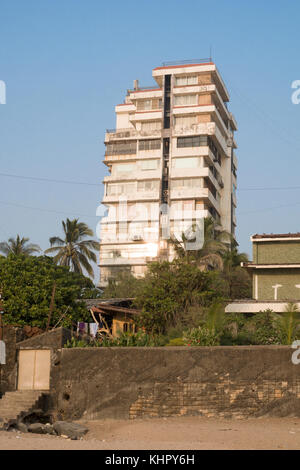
(93, 329)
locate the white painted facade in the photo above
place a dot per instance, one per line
(173, 144)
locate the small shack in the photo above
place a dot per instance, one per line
(115, 315)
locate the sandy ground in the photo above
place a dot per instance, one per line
(171, 433)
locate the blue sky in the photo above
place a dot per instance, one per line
(66, 63)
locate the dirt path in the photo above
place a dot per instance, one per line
(171, 433)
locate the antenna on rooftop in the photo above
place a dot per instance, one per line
(210, 53)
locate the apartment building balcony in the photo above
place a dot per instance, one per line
(199, 109)
(187, 67)
(130, 240)
(234, 160)
(233, 121)
(211, 91)
(209, 128)
(191, 89)
(125, 108)
(153, 133)
(135, 196)
(130, 133)
(180, 215)
(146, 115)
(195, 193)
(200, 172)
(138, 175)
(234, 201)
(152, 215)
(119, 134)
(139, 155)
(193, 109)
(152, 153)
(131, 254)
(126, 261)
(145, 93)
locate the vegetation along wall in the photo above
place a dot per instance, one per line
(152, 382)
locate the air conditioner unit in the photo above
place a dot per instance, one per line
(137, 238)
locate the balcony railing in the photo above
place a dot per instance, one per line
(141, 88)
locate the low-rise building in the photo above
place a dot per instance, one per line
(113, 316)
(275, 272)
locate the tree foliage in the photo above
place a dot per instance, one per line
(27, 283)
(18, 246)
(73, 250)
(170, 289)
(211, 253)
(124, 285)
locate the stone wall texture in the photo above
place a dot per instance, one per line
(153, 382)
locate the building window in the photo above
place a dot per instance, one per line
(151, 126)
(187, 162)
(214, 150)
(123, 169)
(184, 121)
(148, 105)
(148, 186)
(121, 148)
(186, 183)
(149, 164)
(186, 80)
(151, 144)
(193, 141)
(185, 100)
(120, 188)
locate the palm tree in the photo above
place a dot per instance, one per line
(73, 251)
(237, 278)
(232, 259)
(19, 246)
(212, 250)
(288, 323)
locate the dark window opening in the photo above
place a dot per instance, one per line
(149, 144)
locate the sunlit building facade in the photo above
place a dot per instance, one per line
(170, 157)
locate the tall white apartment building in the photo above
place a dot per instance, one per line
(172, 153)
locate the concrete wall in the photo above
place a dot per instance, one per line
(276, 252)
(14, 340)
(288, 278)
(54, 339)
(148, 382)
(8, 371)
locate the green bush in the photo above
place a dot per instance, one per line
(176, 342)
(265, 328)
(139, 339)
(202, 336)
(77, 343)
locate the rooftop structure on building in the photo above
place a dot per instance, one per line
(275, 272)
